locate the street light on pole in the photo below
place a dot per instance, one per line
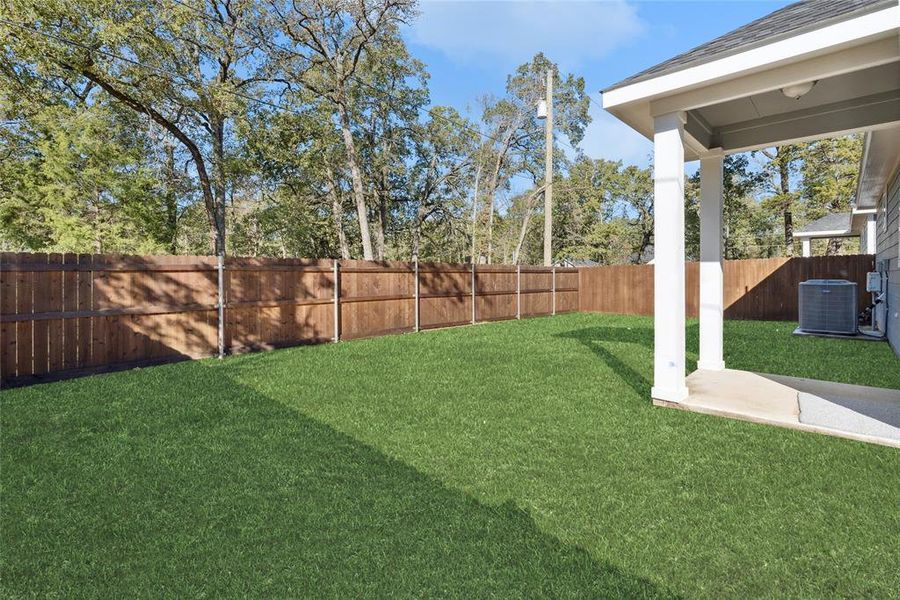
(545, 111)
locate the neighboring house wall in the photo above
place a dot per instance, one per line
(888, 231)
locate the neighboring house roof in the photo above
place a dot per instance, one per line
(577, 262)
(833, 225)
(790, 20)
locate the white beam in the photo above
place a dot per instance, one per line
(871, 234)
(812, 123)
(712, 308)
(807, 247)
(668, 279)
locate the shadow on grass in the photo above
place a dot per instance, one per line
(212, 489)
(596, 339)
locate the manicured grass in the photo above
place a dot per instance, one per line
(511, 459)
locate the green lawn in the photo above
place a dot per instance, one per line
(511, 459)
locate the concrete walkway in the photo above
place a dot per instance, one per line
(851, 411)
(854, 408)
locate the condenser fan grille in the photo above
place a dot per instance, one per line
(828, 306)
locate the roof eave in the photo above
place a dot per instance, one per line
(636, 103)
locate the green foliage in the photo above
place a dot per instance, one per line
(305, 127)
(830, 170)
(78, 181)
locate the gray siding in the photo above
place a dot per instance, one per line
(889, 249)
(889, 241)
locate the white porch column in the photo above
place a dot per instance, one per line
(807, 246)
(668, 279)
(871, 235)
(712, 307)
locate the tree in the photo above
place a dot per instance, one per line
(389, 93)
(330, 38)
(186, 66)
(299, 162)
(830, 170)
(515, 135)
(444, 149)
(585, 206)
(783, 163)
(79, 179)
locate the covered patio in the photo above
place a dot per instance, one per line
(810, 70)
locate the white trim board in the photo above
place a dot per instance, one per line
(825, 40)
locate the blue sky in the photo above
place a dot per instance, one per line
(470, 46)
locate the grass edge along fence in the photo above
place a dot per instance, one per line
(65, 315)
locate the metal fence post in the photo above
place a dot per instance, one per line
(336, 273)
(220, 270)
(518, 292)
(473, 293)
(554, 290)
(416, 289)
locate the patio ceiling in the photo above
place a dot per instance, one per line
(734, 101)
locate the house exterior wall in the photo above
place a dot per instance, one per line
(888, 232)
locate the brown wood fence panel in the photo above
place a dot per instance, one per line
(377, 298)
(495, 297)
(536, 291)
(567, 290)
(445, 295)
(272, 302)
(68, 314)
(760, 289)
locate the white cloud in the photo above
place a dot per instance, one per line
(568, 32)
(609, 138)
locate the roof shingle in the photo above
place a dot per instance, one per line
(807, 14)
(833, 222)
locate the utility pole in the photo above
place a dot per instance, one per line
(548, 175)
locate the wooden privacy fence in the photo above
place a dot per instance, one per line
(63, 314)
(761, 289)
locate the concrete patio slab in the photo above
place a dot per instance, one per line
(850, 411)
(856, 408)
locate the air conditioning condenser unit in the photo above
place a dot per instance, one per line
(828, 306)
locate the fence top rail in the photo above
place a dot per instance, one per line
(60, 262)
(264, 262)
(737, 262)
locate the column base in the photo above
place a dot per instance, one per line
(711, 365)
(669, 395)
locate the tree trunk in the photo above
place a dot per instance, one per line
(382, 226)
(384, 198)
(337, 216)
(834, 246)
(495, 182)
(526, 219)
(784, 175)
(493, 191)
(356, 178)
(475, 210)
(218, 186)
(417, 230)
(171, 197)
